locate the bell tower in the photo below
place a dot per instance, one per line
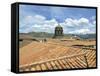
(58, 32)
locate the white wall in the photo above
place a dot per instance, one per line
(5, 25)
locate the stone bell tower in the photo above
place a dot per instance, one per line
(58, 32)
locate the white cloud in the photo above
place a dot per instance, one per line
(71, 22)
(82, 25)
(76, 22)
(34, 19)
(39, 17)
(83, 21)
(94, 22)
(82, 31)
(39, 23)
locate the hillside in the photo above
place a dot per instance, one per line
(50, 35)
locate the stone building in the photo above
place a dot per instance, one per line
(58, 32)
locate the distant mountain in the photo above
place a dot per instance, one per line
(41, 34)
(50, 35)
(38, 34)
(87, 36)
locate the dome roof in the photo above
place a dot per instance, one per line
(58, 27)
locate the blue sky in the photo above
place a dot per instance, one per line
(46, 18)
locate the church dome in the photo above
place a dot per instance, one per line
(58, 32)
(58, 27)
